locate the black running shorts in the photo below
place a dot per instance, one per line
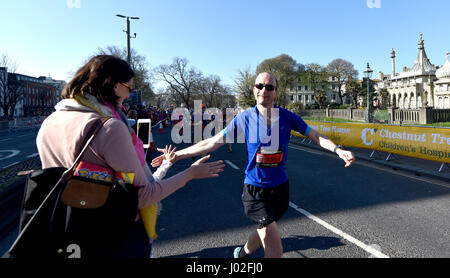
(265, 205)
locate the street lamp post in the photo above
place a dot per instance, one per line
(128, 35)
(368, 74)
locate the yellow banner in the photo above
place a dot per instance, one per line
(419, 142)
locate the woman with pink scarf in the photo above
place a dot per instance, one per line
(97, 90)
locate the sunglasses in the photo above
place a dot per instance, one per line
(269, 87)
(128, 86)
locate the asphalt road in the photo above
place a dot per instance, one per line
(336, 212)
(17, 146)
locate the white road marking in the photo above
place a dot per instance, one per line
(12, 153)
(32, 155)
(308, 151)
(231, 164)
(12, 164)
(370, 249)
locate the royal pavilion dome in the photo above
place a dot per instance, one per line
(444, 72)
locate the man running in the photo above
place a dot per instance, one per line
(266, 130)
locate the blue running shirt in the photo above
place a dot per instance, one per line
(249, 127)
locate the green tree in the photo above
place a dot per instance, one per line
(295, 107)
(243, 85)
(287, 72)
(353, 90)
(342, 70)
(384, 95)
(363, 92)
(316, 78)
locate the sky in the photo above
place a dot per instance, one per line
(220, 37)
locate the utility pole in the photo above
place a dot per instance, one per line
(128, 35)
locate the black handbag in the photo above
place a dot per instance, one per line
(67, 216)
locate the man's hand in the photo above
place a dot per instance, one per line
(347, 156)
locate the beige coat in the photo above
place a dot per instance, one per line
(62, 132)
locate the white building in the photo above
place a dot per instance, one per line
(442, 86)
(424, 84)
(59, 84)
(303, 93)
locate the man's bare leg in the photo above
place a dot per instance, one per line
(271, 241)
(267, 237)
(253, 243)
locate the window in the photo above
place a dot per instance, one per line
(306, 88)
(299, 88)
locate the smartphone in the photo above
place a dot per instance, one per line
(143, 131)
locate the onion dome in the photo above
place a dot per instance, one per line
(444, 72)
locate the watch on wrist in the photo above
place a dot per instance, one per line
(337, 147)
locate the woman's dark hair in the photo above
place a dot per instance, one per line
(98, 78)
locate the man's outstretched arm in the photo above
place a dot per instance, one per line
(203, 147)
(326, 143)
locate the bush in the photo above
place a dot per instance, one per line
(315, 105)
(381, 116)
(295, 106)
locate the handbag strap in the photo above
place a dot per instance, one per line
(98, 124)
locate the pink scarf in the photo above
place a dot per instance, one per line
(137, 143)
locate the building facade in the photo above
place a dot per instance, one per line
(38, 96)
(442, 86)
(303, 93)
(422, 85)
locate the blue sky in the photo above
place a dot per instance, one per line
(222, 36)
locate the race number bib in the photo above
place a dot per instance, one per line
(265, 159)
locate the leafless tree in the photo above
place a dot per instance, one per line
(11, 89)
(182, 81)
(214, 93)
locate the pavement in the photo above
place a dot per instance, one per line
(420, 167)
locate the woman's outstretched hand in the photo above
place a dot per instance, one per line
(157, 161)
(201, 169)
